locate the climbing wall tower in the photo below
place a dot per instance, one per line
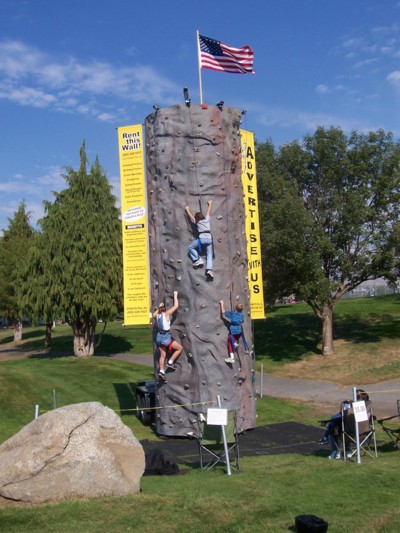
(193, 155)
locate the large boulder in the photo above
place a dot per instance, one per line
(81, 450)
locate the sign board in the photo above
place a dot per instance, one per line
(134, 226)
(217, 417)
(360, 411)
(249, 182)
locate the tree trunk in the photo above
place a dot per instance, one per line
(47, 340)
(194, 155)
(327, 329)
(17, 324)
(84, 335)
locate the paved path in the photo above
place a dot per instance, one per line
(383, 395)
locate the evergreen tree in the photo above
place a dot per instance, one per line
(14, 246)
(75, 268)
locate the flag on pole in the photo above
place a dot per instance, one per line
(216, 55)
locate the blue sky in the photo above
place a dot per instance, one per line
(78, 69)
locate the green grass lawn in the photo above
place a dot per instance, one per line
(366, 332)
(266, 496)
(270, 491)
(116, 339)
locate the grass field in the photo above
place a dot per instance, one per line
(271, 490)
(288, 343)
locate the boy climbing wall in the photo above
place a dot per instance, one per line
(236, 320)
(204, 239)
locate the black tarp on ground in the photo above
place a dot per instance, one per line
(273, 439)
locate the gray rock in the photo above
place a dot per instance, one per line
(80, 450)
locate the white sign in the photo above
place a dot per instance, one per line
(360, 411)
(217, 417)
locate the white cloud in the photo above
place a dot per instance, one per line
(322, 88)
(31, 77)
(307, 122)
(394, 78)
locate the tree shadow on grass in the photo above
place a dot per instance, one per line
(371, 328)
(126, 394)
(26, 335)
(287, 338)
(62, 346)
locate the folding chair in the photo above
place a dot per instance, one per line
(366, 432)
(211, 443)
(393, 433)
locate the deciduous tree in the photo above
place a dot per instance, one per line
(331, 216)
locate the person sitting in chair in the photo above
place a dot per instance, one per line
(334, 427)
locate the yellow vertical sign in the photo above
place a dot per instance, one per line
(134, 225)
(249, 182)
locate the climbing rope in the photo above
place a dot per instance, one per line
(195, 150)
(173, 406)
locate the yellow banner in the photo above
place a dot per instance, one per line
(249, 182)
(134, 225)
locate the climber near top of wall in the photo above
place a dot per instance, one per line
(164, 341)
(236, 320)
(204, 239)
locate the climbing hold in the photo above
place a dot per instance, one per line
(186, 386)
(219, 217)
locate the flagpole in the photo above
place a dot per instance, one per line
(199, 65)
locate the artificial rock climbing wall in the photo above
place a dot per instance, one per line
(193, 155)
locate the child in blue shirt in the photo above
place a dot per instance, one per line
(236, 320)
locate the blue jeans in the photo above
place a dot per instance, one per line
(194, 254)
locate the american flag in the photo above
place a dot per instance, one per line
(216, 55)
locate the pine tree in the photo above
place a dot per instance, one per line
(14, 245)
(75, 267)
